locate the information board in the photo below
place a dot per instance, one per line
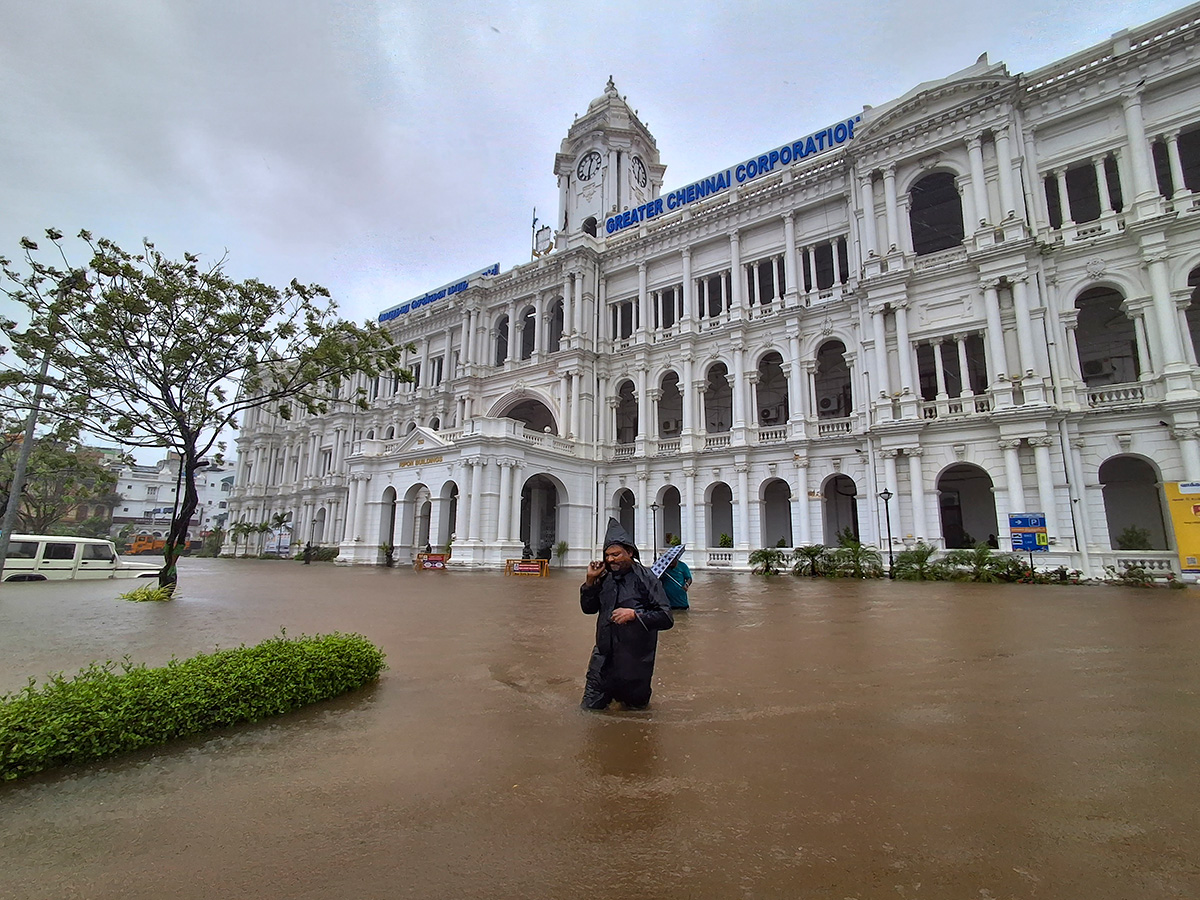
(1029, 532)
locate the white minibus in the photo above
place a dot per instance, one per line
(52, 557)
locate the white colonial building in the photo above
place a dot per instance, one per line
(976, 299)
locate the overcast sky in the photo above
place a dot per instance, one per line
(383, 149)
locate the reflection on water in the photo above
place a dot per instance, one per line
(807, 739)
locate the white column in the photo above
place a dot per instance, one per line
(643, 512)
(882, 379)
(964, 389)
(645, 317)
(889, 201)
(476, 468)
(741, 528)
(904, 348)
(1102, 184)
(1189, 449)
(576, 434)
(1024, 325)
(978, 181)
(801, 525)
(997, 356)
(790, 268)
(689, 292)
(689, 496)
(1139, 150)
(643, 404)
(504, 526)
(1045, 481)
(515, 501)
(812, 267)
(1177, 182)
(1064, 201)
(1004, 163)
(737, 291)
(351, 508)
(867, 191)
(939, 367)
(1012, 476)
(568, 306)
(796, 410)
(738, 384)
(916, 484)
(1164, 307)
(689, 395)
(889, 470)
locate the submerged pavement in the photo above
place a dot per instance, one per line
(807, 739)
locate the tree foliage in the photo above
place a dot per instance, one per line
(149, 351)
(59, 479)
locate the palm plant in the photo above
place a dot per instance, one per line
(980, 564)
(767, 561)
(853, 559)
(810, 560)
(918, 564)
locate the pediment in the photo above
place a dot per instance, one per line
(932, 100)
(419, 440)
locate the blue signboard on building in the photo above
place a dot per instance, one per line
(1029, 532)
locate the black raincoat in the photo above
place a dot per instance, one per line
(622, 663)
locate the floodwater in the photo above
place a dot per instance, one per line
(807, 739)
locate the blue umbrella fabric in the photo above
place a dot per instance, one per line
(661, 564)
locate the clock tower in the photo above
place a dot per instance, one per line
(607, 163)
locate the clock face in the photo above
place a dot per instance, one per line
(588, 166)
(639, 171)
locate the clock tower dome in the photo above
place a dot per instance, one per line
(607, 163)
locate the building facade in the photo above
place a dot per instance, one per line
(975, 300)
(147, 499)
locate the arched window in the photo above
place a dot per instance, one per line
(501, 341)
(528, 332)
(718, 401)
(554, 339)
(627, 413)
(1106, 339)
(832, 381)
(772, 391)
(935, 214)
(670, 406)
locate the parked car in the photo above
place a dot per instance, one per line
(53, 557)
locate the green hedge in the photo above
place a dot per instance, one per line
(102, 711)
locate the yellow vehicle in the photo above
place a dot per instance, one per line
(145, 543)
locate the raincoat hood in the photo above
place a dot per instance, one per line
(617, 534)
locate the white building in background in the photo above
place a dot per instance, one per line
(148, 498)
(977, 297)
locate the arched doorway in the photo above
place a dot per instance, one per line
(841, 508)
(935, 214)
(670, 517)
(670, 406)
(777, 514)
(1133, 504)
(718, 401)
(318, 531)
(627, 413)
(539, 515)
(448, 526)
(720, 515)
(626, 505)
(387, 518)
(968, 507)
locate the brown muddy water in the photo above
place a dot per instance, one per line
(807, 739)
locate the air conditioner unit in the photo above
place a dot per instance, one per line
(670, 426)
(769, 415)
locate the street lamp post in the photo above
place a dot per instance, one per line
(654, 508)
(886, 496)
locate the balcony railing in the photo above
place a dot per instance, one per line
(1124, 394)
(833, 427)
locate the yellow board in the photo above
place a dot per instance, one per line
(1183, 500)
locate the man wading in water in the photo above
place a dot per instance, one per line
(631, 609)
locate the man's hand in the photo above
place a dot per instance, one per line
(622, 616)
(595, 571)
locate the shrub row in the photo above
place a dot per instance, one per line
(108, 709)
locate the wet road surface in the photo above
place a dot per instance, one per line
(807, 739)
